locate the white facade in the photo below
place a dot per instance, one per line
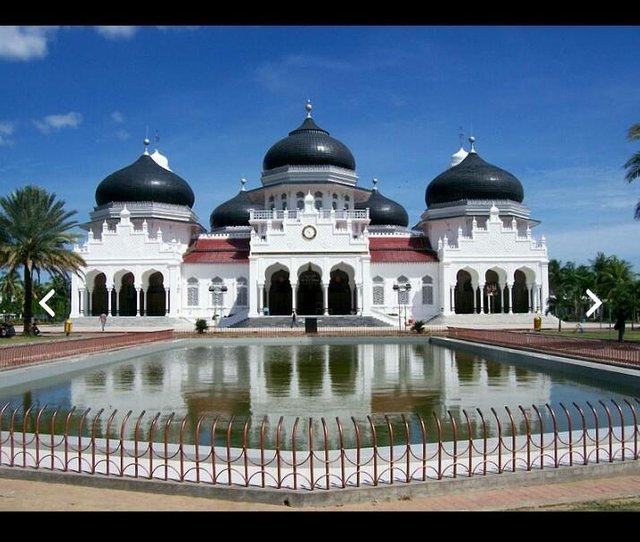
(311, 245)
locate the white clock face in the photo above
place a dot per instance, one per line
(308, 232)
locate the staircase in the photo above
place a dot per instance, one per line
(497, 321)
(323, 321)
(130, 323)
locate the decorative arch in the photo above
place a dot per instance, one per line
(465, 291)
(309, 297)
(278, 295)
(156, 296)
(99, 292)
(523, 278)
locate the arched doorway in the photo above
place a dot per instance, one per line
(520, 292)
(339, 293)
(99, 295)
(280, 293)
(127, 302)
(156, 299)
(309, 298)
(492, 293)
(464, 293)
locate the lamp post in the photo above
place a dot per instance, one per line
(216, 290)
(406, 287)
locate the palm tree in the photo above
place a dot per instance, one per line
(11, 292)
(35, 237)
(633, 164)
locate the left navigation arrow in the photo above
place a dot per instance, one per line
(43, 302)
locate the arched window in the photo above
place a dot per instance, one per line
(378, 291)
(403, 293)
(217, 295)
(300, 200)
(283, 199)
(318, 198)
(427, 290)
(193, 298)
(272, 204)
(347, 204)
(241, 292)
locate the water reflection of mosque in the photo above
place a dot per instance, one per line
(311, 381)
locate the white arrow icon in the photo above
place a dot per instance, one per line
(43, 302)
(596, 302)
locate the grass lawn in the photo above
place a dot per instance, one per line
(626, 504)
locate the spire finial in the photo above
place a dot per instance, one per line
(472, 140)
(375, 183)
(243, 181)
(308, 107)
(146, 141)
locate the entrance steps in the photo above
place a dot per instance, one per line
(323, 321)
(501, 321)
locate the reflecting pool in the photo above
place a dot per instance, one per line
(306, 381)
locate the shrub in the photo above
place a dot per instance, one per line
(418, 326)
(201, 325)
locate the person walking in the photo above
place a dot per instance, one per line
(103, 320)
(294, 323)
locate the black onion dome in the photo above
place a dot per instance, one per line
(309, 145)
(233, 212)
(473, 178)
(145, 180)
(384, 211)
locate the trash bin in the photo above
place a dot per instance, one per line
(265, 311)
(311, 325)
(68, 325)
(537, 322)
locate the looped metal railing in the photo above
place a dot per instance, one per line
(310, 454)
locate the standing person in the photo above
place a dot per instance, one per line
(619, 326)
(293, 319)
(103, 320)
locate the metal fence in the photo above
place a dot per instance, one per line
(27, 354)
(298, 454)
(592, 349)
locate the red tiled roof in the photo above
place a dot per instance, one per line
(401, 249)
(218, 251)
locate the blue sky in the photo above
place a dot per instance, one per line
(549, 104)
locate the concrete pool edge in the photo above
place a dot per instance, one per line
(336, 496)
(614, 374)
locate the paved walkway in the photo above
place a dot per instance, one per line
(23, 495)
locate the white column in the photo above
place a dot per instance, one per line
(89, 303)
(294, 296)
(138, 290)
(475, 296)
(260, 298)
(510, 297)
(540, 300)
(360, 299)
(109, 308)
(325, 297)
(82, 300)
(452, 298)
(146, 302)
(481, 288)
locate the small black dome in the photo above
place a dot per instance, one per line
(233, 212)
(384, 211)
(145, 180)
(309, 145)
(473, 178)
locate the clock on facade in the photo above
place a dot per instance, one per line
(308, 232)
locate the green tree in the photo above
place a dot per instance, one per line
(633, 164)
(36, 237)
(11, 293)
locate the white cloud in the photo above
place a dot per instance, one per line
(25, 42)
(123, 135)
(117, 117)
(57, 122)
(6, 130)
(117, 32)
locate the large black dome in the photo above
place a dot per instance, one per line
(233, 212)
(145, 180)
(384, 211)
(473, 178)
(309, 145)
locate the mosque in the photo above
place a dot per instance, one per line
(311, 240)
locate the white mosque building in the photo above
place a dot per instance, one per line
(311, 240)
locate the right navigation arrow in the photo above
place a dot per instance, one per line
(596, 302)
